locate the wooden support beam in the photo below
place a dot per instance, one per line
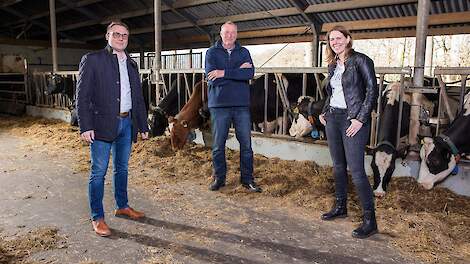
(401, 22)
(201, 22)
(6, 3)
(82, 10)
(37, 23)
(200, 41)
(188, 3)
(46, 13)
(136, 13)
(353, 4)
(185, 16)
(47, 44)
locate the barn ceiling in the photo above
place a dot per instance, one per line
(192, 23)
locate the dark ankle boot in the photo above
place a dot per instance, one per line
(368, 226)
(339, 210)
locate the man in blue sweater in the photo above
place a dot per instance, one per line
(228, 69)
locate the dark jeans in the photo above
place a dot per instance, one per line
(221, 119)
(99, 153)
(348, 152)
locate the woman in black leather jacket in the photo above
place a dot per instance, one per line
(352, 93)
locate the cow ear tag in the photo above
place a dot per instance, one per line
(455, 171)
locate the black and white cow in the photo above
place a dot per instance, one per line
(439, 155)
(57, 84)
(308, 110)
(292, 82)
(385, 153)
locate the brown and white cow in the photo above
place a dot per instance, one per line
(188, 118)
(439, 155)
(171, 104)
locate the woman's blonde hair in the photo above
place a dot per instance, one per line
(330, 54)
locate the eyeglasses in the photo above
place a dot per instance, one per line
(118, 35)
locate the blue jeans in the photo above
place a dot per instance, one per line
(348, 151)
(221, 119)
(99, 152)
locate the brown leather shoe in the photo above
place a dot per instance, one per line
(101, 228)
(129, 212)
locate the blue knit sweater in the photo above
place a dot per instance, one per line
(233, 89)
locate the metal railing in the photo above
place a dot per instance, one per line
(382, 72)
(168, 75)
(13, 87)
(440, 73)
(185, 79)
(38, 89)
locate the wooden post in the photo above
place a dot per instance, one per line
(157, 63)
(418, 76)
(53, 35)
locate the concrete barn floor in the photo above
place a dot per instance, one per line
(39, 189)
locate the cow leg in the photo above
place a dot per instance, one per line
(241, 122)
(382, 163)
(220, 122)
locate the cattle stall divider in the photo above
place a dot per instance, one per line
(14, 90)
(403, 73)
(440, 73)
(184, 80)
(13, 87)
(167, 75)
(39, 97)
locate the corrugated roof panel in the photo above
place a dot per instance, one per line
(289, 21)
(170, 18)
(235, 7)
(446, 6)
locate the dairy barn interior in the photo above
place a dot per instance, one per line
(41, 43)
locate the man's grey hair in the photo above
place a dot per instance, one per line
(228, 23)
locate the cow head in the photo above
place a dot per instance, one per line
(310, 109)
(179, 131)
(437, 162)
(12, 63)
(59, 84)
(300, 127)
(159, 121)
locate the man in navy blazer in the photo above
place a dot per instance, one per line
(111, 112)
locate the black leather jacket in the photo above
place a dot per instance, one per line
(359, 86)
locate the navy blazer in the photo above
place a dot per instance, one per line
(99, 93)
